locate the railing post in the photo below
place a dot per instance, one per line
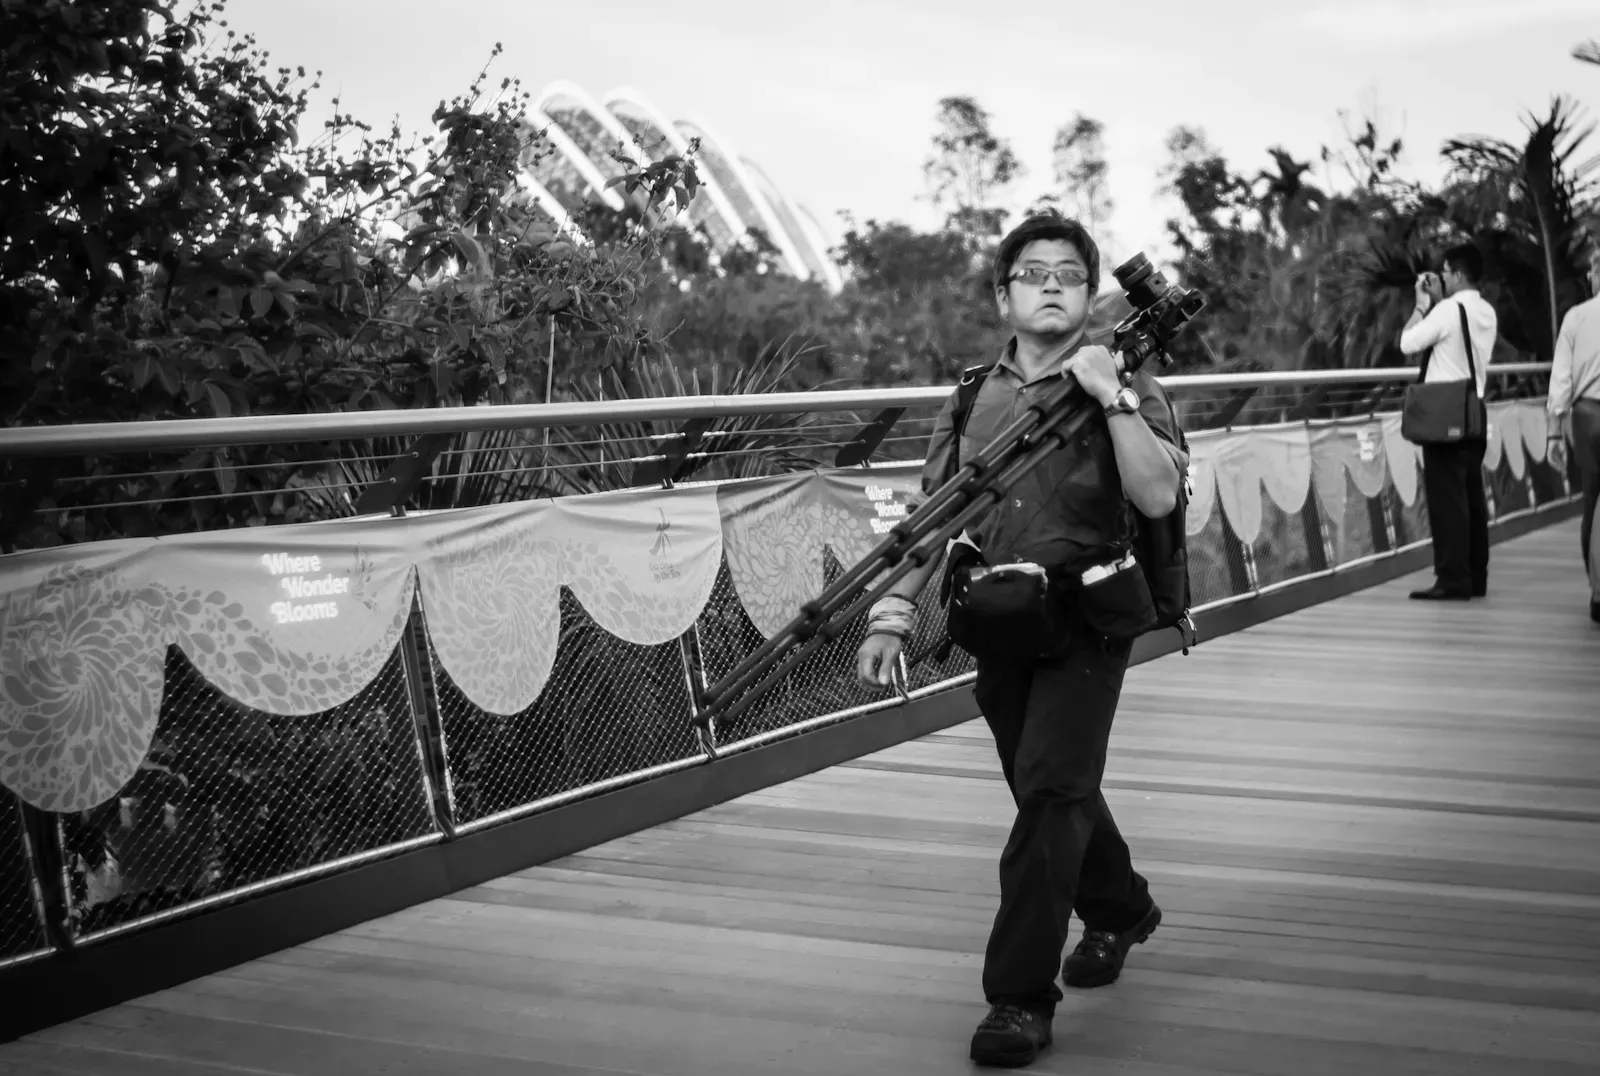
(427, 723)
(690, 657)
(49, 904)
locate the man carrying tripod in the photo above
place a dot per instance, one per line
(1050, 703)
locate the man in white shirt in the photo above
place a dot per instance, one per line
(1458, 511)
(1573, 403)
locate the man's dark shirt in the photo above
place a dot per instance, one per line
(1070, 505)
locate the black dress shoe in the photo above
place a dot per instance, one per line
(1010, 1037)
(1098, 959)
(1594, 612)
(1437, 593)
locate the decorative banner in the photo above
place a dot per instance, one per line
(1202, 489)
(299, 619)
(775, 531)
(642, 563)
(1405, 459)
(82, 657)
(290, 620)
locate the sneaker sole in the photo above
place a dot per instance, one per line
(1146, 927)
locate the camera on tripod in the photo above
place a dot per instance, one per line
(1160, 311)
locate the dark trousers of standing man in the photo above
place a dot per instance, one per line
(1458, 515)
(1051, 725)
(1586, 456)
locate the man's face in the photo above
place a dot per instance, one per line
(1046, 307)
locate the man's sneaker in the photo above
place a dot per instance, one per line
(1097, 961)
(1010, 1037)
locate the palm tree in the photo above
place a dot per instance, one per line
(1525, 206)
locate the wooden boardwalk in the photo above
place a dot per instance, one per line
(1374, 828)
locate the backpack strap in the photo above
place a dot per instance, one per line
(972, 379)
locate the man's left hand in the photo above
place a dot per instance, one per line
(1096, 371)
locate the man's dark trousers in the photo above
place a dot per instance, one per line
(1051, 725)
(1458, 514)
(1586, 456)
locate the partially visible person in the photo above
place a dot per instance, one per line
(1573, 404)
(1458, 511)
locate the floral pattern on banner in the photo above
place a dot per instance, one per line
(253, 667)
(773, 536)
(641, 563)
(82, 661)
(494, 613)
(775, 531)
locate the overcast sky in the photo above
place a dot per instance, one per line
(836, 98)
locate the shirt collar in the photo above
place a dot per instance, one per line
(1008, 361)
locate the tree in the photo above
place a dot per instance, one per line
(1079, 162)
(969, 167)
(172, 249)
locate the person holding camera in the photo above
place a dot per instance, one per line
(1454, 327)
(1049, 694)
(1573, 409)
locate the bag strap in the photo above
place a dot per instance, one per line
(972, 379)
(1466, 338)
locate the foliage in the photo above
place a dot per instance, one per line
(1078, 158)
(969, 167)
(173, 250)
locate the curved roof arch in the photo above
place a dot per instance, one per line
(634, 101)
(585, 121)
(815, 253)
(741, 187)
(573, 156)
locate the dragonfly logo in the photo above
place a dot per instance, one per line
(663, 539)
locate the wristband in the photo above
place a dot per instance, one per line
(892, 615)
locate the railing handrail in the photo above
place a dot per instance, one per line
(93, 438)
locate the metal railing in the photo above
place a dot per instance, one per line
(234, 801)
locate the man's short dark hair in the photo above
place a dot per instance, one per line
(1466, 259)
(1047, 224)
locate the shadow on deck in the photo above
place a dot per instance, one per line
(1373, 826)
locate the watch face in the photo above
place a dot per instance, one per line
(1129, 399)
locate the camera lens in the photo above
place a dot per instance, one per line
(1139, 279)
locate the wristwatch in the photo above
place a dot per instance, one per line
(1125, 402)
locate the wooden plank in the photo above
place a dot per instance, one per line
(1373, 825)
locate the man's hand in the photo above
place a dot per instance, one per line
(876, 659)
(1555, 449)
(1430, 289)
(1096, 371)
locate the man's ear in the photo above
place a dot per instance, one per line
(1002, 302)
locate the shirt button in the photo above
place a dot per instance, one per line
(1017, 503)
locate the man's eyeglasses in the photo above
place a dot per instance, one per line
(1069, 277)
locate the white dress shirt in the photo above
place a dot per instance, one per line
(1575, 374)
(1441, 330)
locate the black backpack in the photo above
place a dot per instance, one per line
(1161, 545)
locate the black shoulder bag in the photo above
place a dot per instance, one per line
(1445, 412)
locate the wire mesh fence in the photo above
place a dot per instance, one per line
(231, 799)
(22, 933)
(608, 710)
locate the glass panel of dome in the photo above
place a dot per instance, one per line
(590, 135)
